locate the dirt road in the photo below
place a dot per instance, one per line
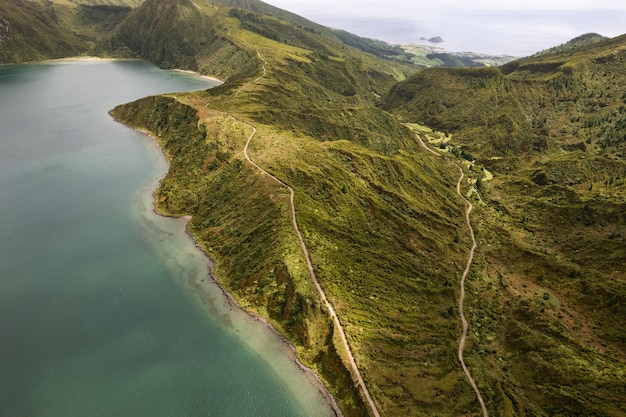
(469, 206)
(329, 306)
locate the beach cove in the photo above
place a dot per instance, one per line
(106, 307)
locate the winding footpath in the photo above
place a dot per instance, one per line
(259, 77)
(321, 292)
(309, 264)
(469, 206)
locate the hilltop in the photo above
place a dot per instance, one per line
(575, 43)
(550, 128)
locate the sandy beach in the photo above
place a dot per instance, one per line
(199, 75)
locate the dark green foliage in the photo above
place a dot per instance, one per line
(164, 32)
(551, 129)
(103, 18)
(31, 31)
(466, 155)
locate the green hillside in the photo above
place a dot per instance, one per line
(376, 212)
(329, 113)
(577, 42)
(35, 30)
(552, 277)
(311, 76)
(32, 31)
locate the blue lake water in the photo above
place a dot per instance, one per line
(106, 309)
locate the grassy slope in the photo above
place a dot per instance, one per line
(550, 285)
(577, 42)
(380, 217)
(35, 30)
(31, 31)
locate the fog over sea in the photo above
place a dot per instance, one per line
(512, 29)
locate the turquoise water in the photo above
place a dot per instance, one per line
(105, 307)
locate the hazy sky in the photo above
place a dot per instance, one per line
(498, 27)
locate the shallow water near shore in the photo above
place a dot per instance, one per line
(105, 307)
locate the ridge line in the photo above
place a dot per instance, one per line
(320, 290)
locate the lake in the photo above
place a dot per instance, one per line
(100, 314)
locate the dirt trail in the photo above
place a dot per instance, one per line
(259, 77)
(469, 206)
(329, 306)
(321, 292)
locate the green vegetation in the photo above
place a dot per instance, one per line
(99, 19)
(577, 42)
(452, 61)
(384, 225)
(31, 31)
(549, 285)
(377, 214)
(371, 244)
(375, 47)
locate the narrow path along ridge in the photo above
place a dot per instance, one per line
(470, 259)
(320, 290)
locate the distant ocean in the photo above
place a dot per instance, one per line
(517, 33)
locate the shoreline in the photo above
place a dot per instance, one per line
(80, 58)
(62, 60)
(90, 58)
(310, 374)
(197, 74)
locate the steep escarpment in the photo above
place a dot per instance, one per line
(550, 282)
(34, 30)
(31, 31)
(178, 34)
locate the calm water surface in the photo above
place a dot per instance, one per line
(99, 311)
